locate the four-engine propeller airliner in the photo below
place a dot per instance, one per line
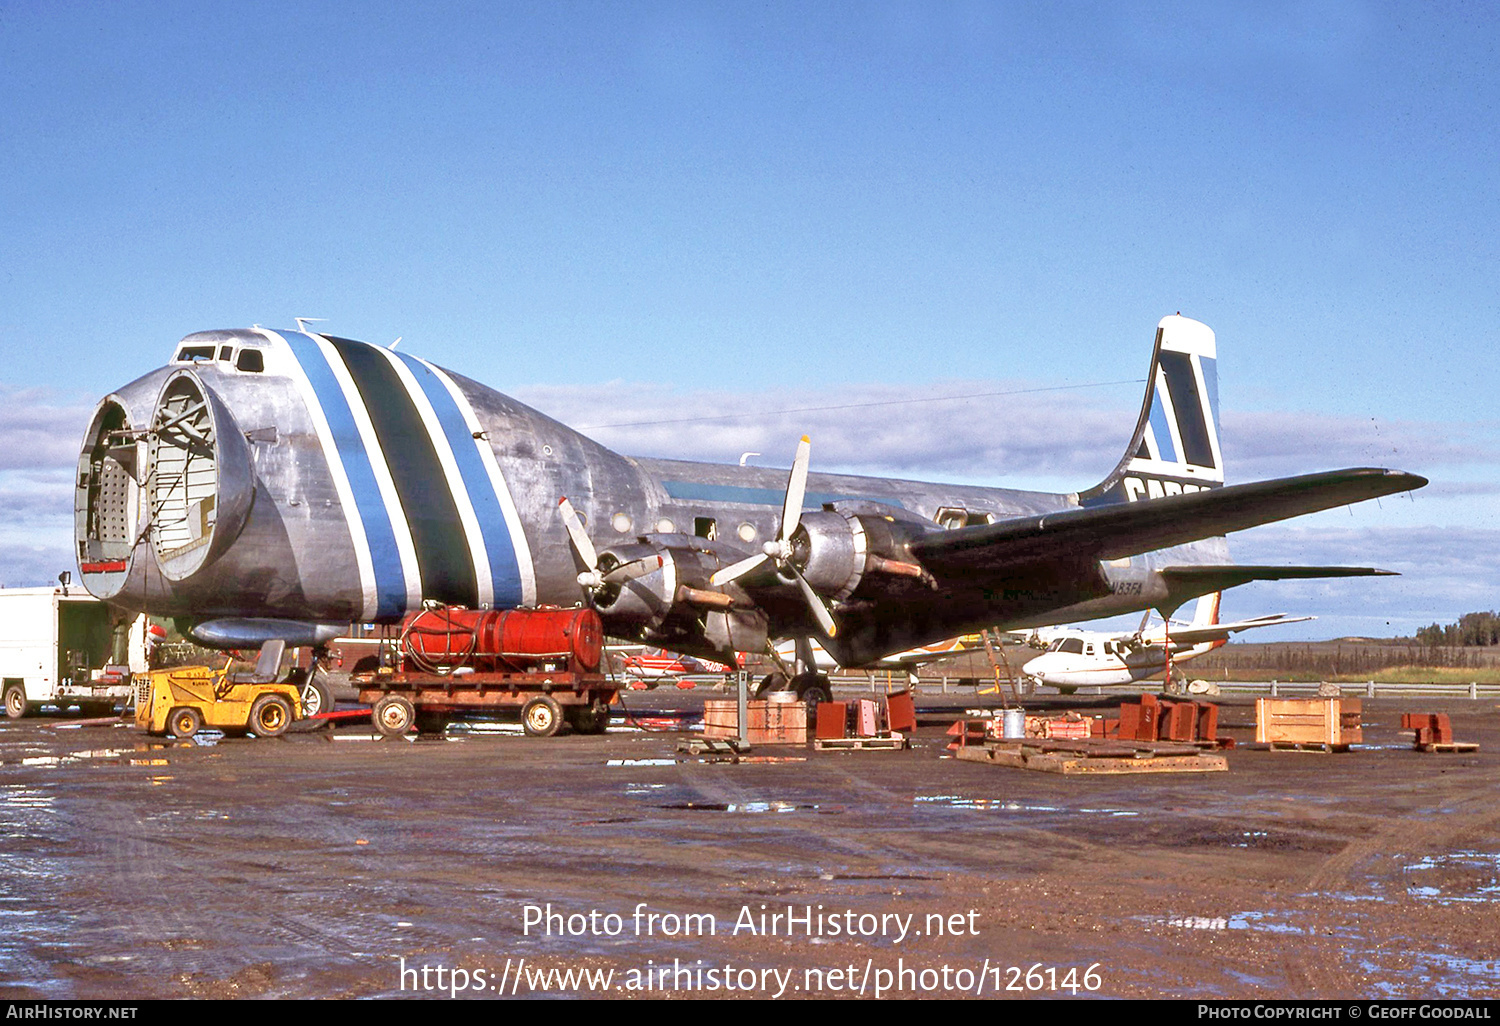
(283, 484)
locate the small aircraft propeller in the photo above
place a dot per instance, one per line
(779, 550)
(596, 577)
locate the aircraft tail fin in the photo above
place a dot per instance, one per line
(1206, 613)
(1175, 447)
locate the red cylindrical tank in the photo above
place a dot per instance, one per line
(506, 641)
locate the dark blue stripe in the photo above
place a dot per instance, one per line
(390, 581)
(426, 498)
(477, 483)
(702, 491)
(1189, 406)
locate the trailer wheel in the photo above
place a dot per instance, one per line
(541, 717)
(15, 701)
(393, 715)
(270, 715)
(184, 722)
(590, 719)
(431, 722)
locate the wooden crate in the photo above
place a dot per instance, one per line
(1334, 722)
(768, 723)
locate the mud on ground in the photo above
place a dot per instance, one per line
(320, 865)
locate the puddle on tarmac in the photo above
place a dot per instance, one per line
(959, 801)
(770, 806)
(1460, 876)
(1261, 922)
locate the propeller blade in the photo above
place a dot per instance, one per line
(633, 569)
(815, 603)
(734, 571)
(796, 489)
(580, 538)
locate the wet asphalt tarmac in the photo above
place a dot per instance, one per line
(482, 864)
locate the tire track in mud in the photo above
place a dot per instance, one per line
(1472, 816)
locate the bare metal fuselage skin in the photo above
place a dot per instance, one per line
(302, 477)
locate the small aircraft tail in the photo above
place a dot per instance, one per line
(1175, 448)
(1207, 612)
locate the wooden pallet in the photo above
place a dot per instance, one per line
(1305, 746)
(1096, 757)
(1448, 746)
(895, 742)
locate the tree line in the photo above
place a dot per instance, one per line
(1471, 629)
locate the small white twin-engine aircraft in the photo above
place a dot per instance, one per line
(1077, 658)
(283, 484)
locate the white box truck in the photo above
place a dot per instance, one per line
(55, 650)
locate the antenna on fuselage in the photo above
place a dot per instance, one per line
(303, 322)
(396, 343)
(745, 456)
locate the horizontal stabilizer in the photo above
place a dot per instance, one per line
(1130, 528)
(1202, 578)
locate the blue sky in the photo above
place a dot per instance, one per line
(619, 211)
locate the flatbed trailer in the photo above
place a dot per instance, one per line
(544, 663)
(427, 701)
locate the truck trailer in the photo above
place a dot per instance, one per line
(55, 646)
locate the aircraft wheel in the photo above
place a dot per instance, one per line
(773, 681)
(814, 689)
(184, 723)
(1028, 686)
(393, 715)
(316, 697)
(270, 716)
(541, 716)
(15, 701)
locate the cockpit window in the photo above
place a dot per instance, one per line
(1073, 645)
(226, 352)
(190, 353)
(251, 360)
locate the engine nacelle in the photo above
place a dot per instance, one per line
(839, 549)
(658, 589)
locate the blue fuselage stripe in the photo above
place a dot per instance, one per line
(390, 581)
(476, 481)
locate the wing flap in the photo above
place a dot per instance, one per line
(1131, 528)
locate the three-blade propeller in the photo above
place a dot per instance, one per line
(779, 550)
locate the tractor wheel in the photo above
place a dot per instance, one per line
(270, 716)
(184, 723)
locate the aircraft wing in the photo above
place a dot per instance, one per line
(1130, 528)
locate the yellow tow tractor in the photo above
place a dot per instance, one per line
(182, 700)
